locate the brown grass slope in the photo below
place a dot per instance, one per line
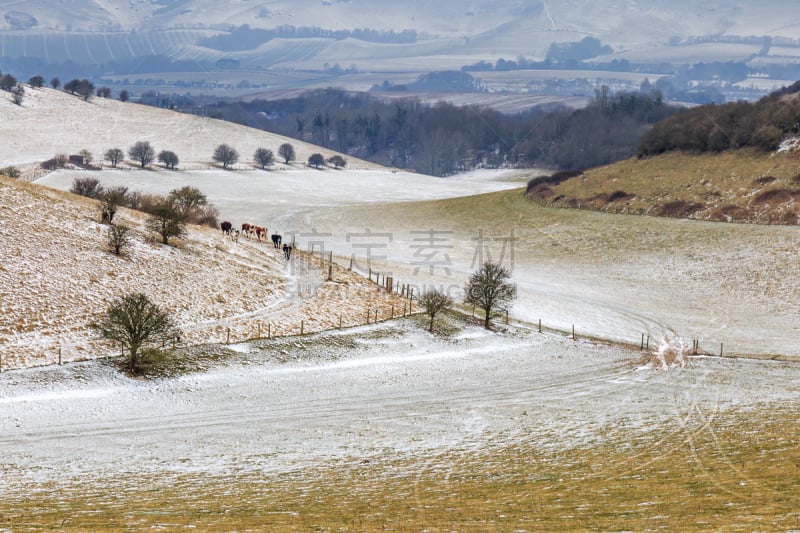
(735, 186)
(57, 276)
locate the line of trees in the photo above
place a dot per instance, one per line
(443, 139)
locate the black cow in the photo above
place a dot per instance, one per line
(287, 251)
(276, 240)
(226, 227)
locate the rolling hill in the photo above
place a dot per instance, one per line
(734, 186)
(449, 34)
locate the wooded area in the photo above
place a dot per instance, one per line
(716, 128)
(443, 139)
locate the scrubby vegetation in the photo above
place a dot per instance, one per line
(716, 128)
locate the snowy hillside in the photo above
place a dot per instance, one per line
(58, 276)
(103, 32)
(51, 122)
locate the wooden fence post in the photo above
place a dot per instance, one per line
(507, 319)
(228, 337)
(641, 346)
(340, 321)
(647, 344)
(59, 355)
(392, 310)
(367, 315)
(573, 331)
(376, 315)
(720, 349)
(259, 330)
(301, 327)
(540, 325)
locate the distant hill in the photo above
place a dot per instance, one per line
(307, 34)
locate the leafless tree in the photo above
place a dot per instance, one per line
(114, 156)
(119, 237)
(142, 152)
(434, 302)
(133, 321)
(490, 290)
(226, 155)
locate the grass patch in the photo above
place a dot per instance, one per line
(734, 471)
(686, 186)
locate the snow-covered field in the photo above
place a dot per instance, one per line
(376, 391)
(388, 390)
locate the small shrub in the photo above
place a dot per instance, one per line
(772, 197)
(679, 209)
(763, 180)
(619, 196)
(11, 172)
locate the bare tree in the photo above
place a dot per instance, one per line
(36, 81)
(114, 156)
(142, 152)
(103, 92)
(8, 82)
(264, 157)
(89, 187)
(166, 220)
(188, 201)
(434, 302)
(337, 161)
(119, 237)
(286, 151)
(490, 290)
(112, 200)
(226, 155)
(87, 157)
(85, 89)
(168, 158)
(18, 94)
(124, 95)
(316, 160)
(55, 83)
(133, 321)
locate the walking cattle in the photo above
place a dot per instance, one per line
(260, 231)
(287, 251)
(226, 227)
(276, 240)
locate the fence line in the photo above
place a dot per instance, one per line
(223, 333)
(251, 330)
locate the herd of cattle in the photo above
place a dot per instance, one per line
(257, 232)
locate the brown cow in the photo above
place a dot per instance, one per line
(261, 232)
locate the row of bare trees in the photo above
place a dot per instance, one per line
(134, 321)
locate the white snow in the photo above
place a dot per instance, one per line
(284, 404)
